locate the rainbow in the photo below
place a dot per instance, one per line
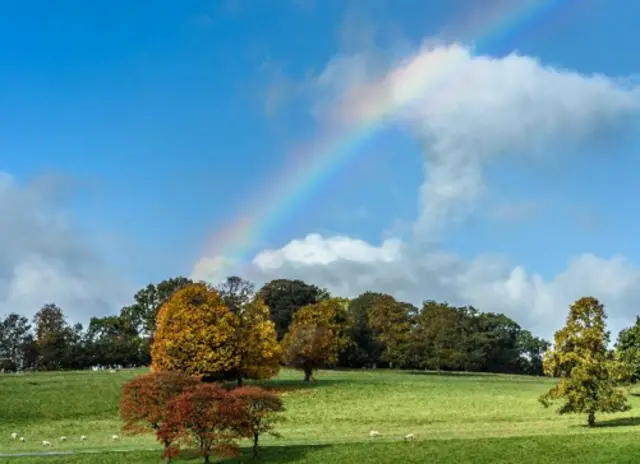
(306, 172)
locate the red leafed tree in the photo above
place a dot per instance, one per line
(144, 404)
(261, 409)
(209, 416)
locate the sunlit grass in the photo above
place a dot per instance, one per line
(454, 418)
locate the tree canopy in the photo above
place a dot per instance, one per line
(318, 334)
(588, 373)
(284, 297)
(195, 333)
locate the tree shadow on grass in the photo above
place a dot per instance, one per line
(276, 454)
(453, 373)
(291, 385)
(618, 422)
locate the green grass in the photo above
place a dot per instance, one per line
(455, 418)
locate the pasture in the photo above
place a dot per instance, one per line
(455, 418)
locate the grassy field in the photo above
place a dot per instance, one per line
(455, 418)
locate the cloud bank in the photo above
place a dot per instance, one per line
(468, 111)
(44, 258)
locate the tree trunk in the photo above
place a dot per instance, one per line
(207, 460)
(308, 374)
(167, 452)
(255, 445)
(240, 380)
(592, 419)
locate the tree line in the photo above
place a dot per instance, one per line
(381, 331)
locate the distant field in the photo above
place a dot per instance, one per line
(455, 418)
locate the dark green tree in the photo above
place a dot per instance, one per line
(112, 340)
(15, 337)
(284, 297)
(236, 293)
(531, 351)
(366, 348)
(391, 322)
(493, 342)
(51, 330)
(142, 313)
(628, 348)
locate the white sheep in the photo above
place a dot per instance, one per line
(14, 435)
(21, 439)
(115, 437)
(83, 437)
(63, 438)
(409, 437)
(46, 443)
(374, 433)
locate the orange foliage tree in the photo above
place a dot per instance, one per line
(209, 416)
(317, 335)
(261, 408)
(195, 333)
(144, 404)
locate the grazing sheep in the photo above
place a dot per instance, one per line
(46, 443)
(374, 433)
(63, 438)
(409, 437)
(21, 439)
(83, 437)
(115, 437)
(14, 436)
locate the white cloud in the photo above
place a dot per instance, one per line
(468, 111)
(45, 259)
(349, 267)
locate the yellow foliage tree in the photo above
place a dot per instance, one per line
(259, 351)
(195, 333)
(317, 335)
(198, 334)
(589, 374)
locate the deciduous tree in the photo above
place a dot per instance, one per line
(145, 402)
(284, 297)
(113, 340)
(589, 375)
(141, 315)
(628, 348)
(317, 335)
(261, 408)
(440, 337)
(209, 416)
(392, 322)
(259, 352)
(51, 337)
(366, 347)
(236, 293)
(15, 337)
(196, 333)
(531, 350)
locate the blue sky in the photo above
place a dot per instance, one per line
(160, 113)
